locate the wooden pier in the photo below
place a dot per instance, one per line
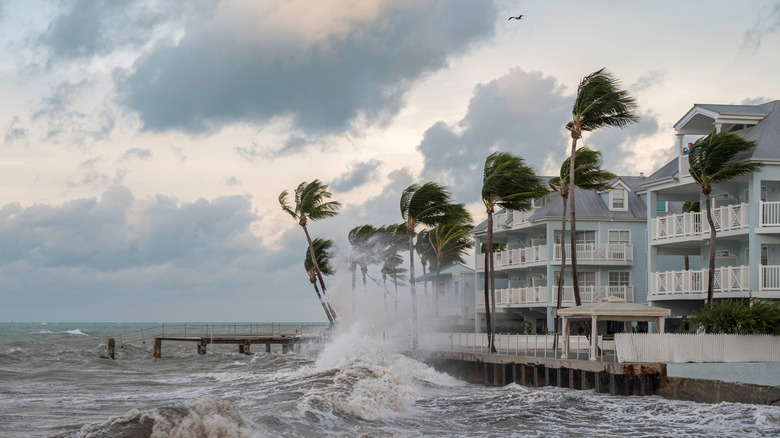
(288, 336)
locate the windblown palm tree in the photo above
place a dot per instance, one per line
(364, 241)
(322, 254)
(599, 102)
(588, 175)
(394, 240)
(425, 205)
(311, 203)
(715, 159)
(690, 207)
(424, 252)
(449, 243)
(509, 183)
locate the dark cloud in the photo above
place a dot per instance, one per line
(122, 258)
(359, 174)
(767, 23)
(86, 28)
(136, 153)
(522, 112)
(211, 78)
(233, 181)
(15, 133)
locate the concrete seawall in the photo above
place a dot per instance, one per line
(673, 381)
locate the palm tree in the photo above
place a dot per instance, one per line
(425, 205)
(690, 207)
(425, 253)
(714, 159)
(588, 175)
(508, 183)
(599, 102)
(311, 203)
(449, 243)
(364, 246)
(322, 254)
(394, 240)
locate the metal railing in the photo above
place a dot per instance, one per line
(516, 345)
(185, 330)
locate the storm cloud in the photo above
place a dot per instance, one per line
(359, 174)
(324, 69)
(521, 112)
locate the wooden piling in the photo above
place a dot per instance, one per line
(111, 347)
(202, 347)
(157, 348)
(268, 348)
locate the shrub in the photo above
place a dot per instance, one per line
(744, 317)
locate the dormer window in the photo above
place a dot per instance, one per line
(617, 199)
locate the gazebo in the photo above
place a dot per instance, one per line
(609, 309)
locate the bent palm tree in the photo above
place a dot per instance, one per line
(425, 205)
(588, 175)
(322, 254)
(449, 244)
(311, 203)
(509, 183)
(599, 102)
(714, 159)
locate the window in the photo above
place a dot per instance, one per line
(764, 255)
(660, 206)
(620, 236)
(586, 237)
(619, 278)
(763, 193)
(618, 199)
(586, 279)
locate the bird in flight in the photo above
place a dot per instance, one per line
(519, 17)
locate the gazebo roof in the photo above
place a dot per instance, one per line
(612, 307)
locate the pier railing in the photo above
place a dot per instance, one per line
(201, 330)
(516, 345)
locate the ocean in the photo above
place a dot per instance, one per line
(53, 383)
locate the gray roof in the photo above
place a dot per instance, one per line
(667, 171)
(736, 109)
(589, 204)
(444, 272)
(766, 134)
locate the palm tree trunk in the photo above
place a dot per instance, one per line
(559, 299)
(574, 279)
(711, 273)
(324, 305)
(412, 289)
(436, 288)
(395, 286)
(488, 259)
(363, 272)
(317, 270)
(425, 286)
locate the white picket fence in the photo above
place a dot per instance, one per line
(684, 348)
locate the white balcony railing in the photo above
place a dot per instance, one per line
(510, 218)
(694, 282)
(726, 218)
(516, 257)
(537, 295)
(598, 252)
(594, 294)
(770, 214)
(769, 278)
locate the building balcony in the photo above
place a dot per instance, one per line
(598, 253)
(517, 257)
(730, 282)
(694, 225)
(512, 218)
(537, 296)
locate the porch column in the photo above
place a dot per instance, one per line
(659, 324)
(754, 241)
(594, 337)
(565, 338)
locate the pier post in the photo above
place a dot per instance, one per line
(498, 375)
(111, 347)
(157, 348)
(268, 347)
(244, 348)
(202, 346)
(285, 348)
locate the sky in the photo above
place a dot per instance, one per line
(144, 143)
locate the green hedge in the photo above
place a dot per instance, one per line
(744, 317)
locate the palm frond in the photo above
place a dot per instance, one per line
(601, 102)
(323, 249)
(714, 158)
(508, 182)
